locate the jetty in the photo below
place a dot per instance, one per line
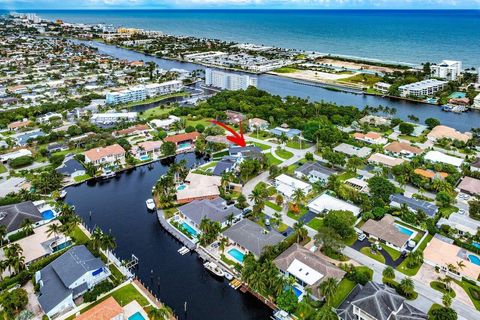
(174, 232)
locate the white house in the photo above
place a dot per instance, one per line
(422, 88)
(15, 154)
(113, 117)
(67, 278)
(326, 202)
(476, 102)
(164, 123)
(287, 185)
(437, 156)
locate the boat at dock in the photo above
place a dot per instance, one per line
(213, 268)
(63, 194)
(150, 204)
(228, 276)
(454, 108)
(108, 175)
(183, 250)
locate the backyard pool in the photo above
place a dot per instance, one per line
(297, 291)
(136, 316)
(181, 187)
(184, 145)
(404, 230)
(236, 254)
(48, 214)
(61, 246)
(144, 158)
(474, 259)
(476, 244)
(189, 229)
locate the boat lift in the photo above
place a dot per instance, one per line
(132, 263)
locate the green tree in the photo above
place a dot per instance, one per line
(381, 188)
(328, 288)
(14, 302)
(300, 231)
(287, 301)
(407, 286)
(388, 273)
(432, 122)
(168, 148)
(341, 221)
(444, 199)
(328, 240)
(444, 313)
(406, 128)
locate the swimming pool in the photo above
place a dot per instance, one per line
(144, 158)
(404, 230)
(136, 316)
(181, 187)
(61, 246)
(237, 254)
(476, 244)
(184, 145)
(48, 214)
(189, 229)
(474, 259)
(297, 291)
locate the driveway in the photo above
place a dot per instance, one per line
(388, 259)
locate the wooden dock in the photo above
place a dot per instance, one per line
(174, 232)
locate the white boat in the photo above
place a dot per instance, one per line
(63, 193)
(228, 276)
(108, 175)
(183, 250)
(150, 204)
(213, 268)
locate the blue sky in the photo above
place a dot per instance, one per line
(241, 4)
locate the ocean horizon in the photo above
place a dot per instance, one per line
(401, 36)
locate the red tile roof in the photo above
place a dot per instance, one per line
(182, 137)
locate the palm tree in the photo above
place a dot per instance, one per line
(298, 196)
(325, 314)
(447, 300)
(223, 243)
(3, 267)
(283, 138)
(460, 264)
(300, 230)
(3, 233)
(15, 259)
(158, 314)
(328, 288)
(230, 218)
(389, 273)
(414, 258)
(407, 286)
(107, 242)
(96, 238)
(53, 228)
(256, 196)
(27, 226)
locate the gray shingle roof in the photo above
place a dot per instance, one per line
(13, 215)
(215, 210)
(253, 237)
(75, 263)
(248, 152)
(60, 274)
(315, 168)
(69, 167)
(223, 165)
(429, 208)
(379, 301)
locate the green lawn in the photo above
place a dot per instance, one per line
(262, 146)
(2, 168)
(439, 286)
(156, 112)
(272, 160)
(403, 268)
(284, 154)
(447, 211)
(282, 227)
(344, 288)
(219, 154)
(432, 308)
(363, 78)
(466, 286)
(65, 152)
(79, 235)
(368, 252)
(82, 178)
(205, 122)
(115, 272)
(274, 206)
(296, 145)
(391, 252)
(315, 223)
(285, 70)
(297, 216)
(347, 175)
(261, 135)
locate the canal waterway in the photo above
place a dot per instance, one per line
(288, 87)
(118, 206)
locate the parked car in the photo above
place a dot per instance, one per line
(361, 237)
(267, 222)
(378, 246)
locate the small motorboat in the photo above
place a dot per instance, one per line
(213, 268)
(108, 175)
(183, 251)
(228, 276)
(150, 204)
(63, 194)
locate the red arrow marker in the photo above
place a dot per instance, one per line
(236, 138)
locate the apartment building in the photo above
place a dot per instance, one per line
(228, 80)
(447, 69)
(422, 88)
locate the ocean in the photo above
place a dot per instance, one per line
(409, 36)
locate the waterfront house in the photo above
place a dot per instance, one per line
(370, 137)
(147, 150)
(461, 223)
(216, 210)
(287, 185)
(470, 185)
(441, 131)
(248, 152)
(13, 215)
(439, 157)
(414, 205)
(252, 237)
(314, 172)
(307, 268)
(71, 168)
(139, 129)
(422, 88)
(441, 252)
(164, 124)
(387, 232)
(382, 87)
(402, 149)
(67, 278)
(375, 120)
(106, 156)
(384, 160)
(108, 309)
(184, 142)
(326, 202)
(350, 150)
(375, 301)
(255, 124)
(198, 187)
